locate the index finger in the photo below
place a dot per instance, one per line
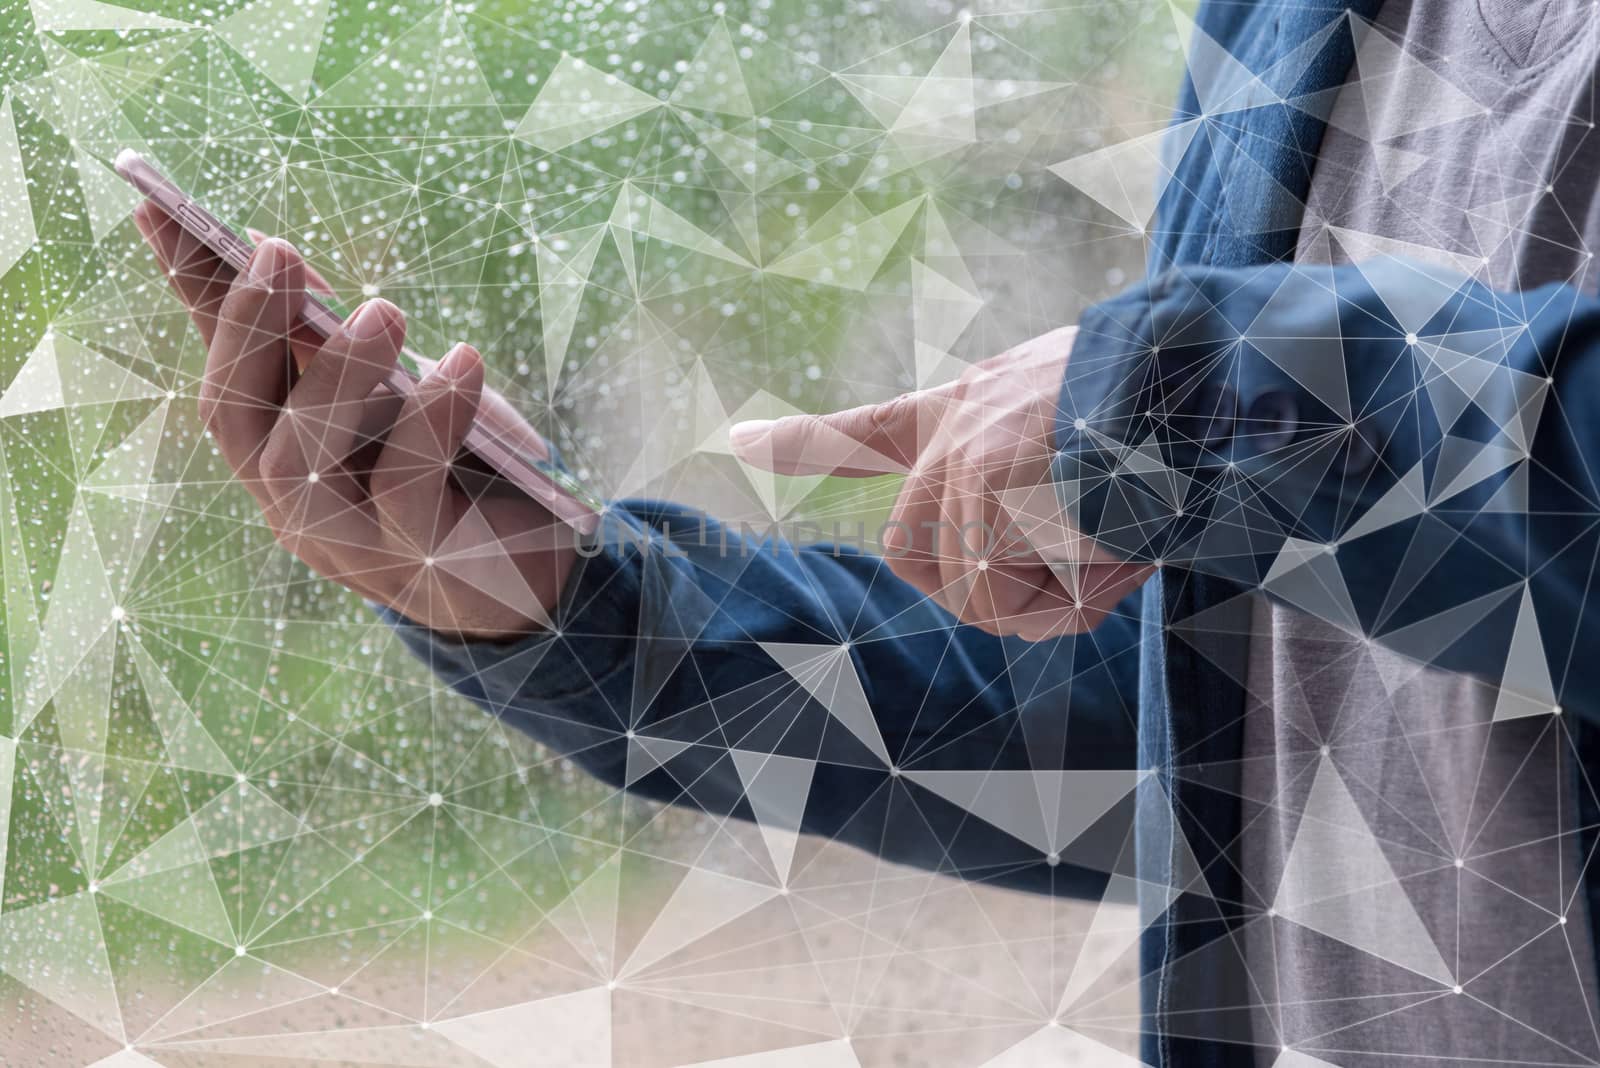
(201, 279)
(197, 275)
(860, 442)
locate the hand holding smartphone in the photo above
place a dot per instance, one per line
(428, 494)
(491, 439)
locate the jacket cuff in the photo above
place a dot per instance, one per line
(1208, 416)
(597, 624)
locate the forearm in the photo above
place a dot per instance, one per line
(686, 655)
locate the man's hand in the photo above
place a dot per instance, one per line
(356, 486)
(978, 526)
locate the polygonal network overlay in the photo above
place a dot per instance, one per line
(240, 821)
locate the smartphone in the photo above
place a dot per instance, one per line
(491, 444)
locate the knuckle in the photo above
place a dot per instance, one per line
(877, 419)
(387, 483)
(896, 408)
(279, 463)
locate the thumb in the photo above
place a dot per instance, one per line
(873, 439)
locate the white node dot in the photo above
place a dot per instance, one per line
(118, 613)
(1562, 920)
(427, 561)
(1460, 863)
(1411, 339)
(369, 290)
(894, 773)
(94, 888)
(1455, 990)
(172, 394)
(1272, 912)
(428, 915)
(1080, 423)
(1324, 750)
(435, 799)
(239, 778)
(425, 1025)
(611, 984)
(334, 991)
(313, 477)
(983, 565)
(1053, 859)
(238, 951)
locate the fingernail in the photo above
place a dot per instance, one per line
(266, 262)
(748, 431)
(370, 320)
(446, 371)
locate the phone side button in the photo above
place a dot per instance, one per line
(194, 219)
(233, 247)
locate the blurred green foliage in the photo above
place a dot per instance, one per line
(323, 845)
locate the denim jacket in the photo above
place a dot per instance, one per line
(1181, 412)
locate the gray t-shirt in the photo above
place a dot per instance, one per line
(1409, 833)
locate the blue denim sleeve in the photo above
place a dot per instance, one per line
(685, 653)
(1389, 446)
